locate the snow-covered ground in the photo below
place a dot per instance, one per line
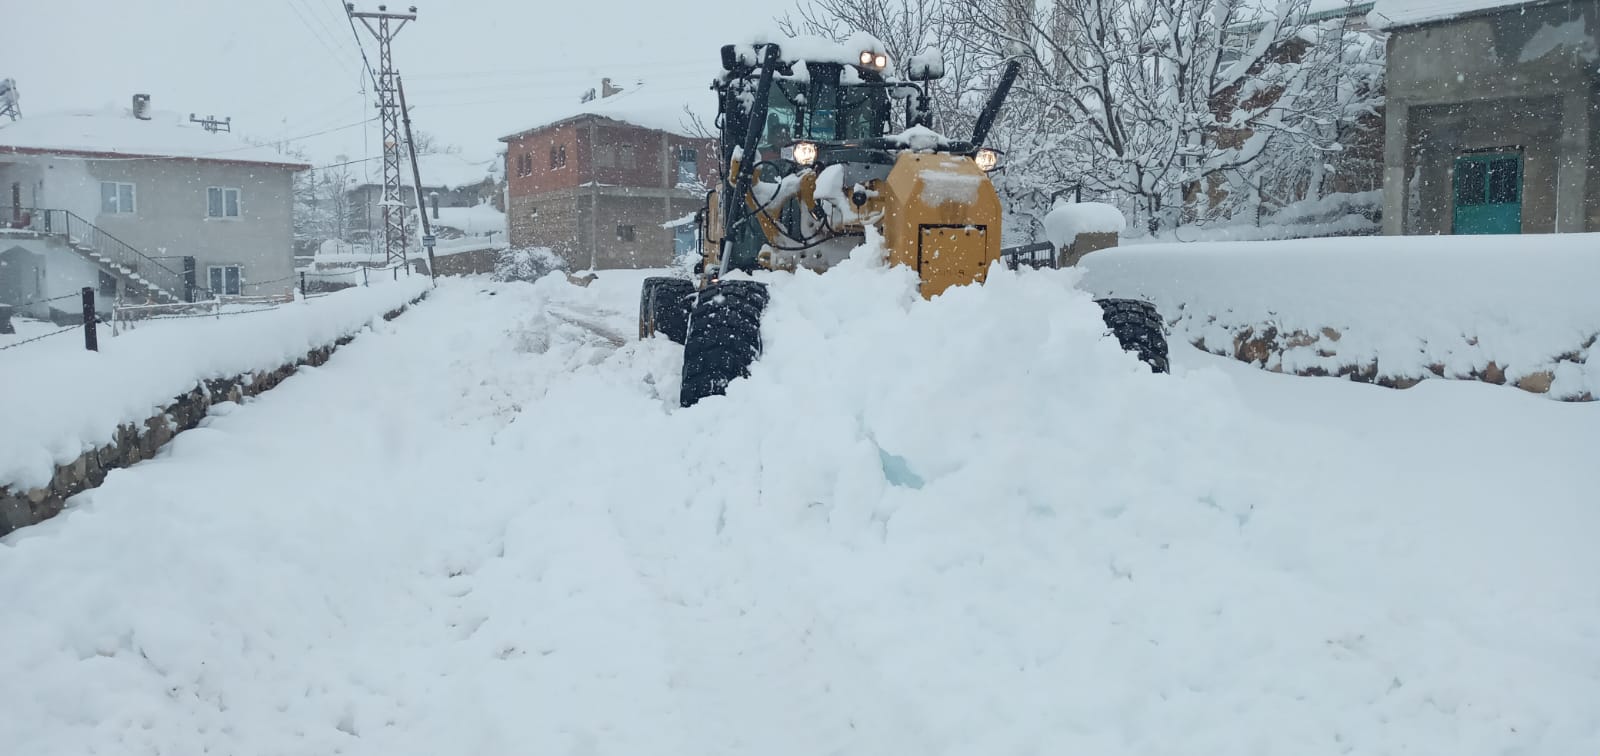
(1411, 306)
(972, 526)
(60, 400)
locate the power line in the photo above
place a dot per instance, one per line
(319, 35)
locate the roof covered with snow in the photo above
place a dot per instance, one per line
(663, 107)
(1393, 14)
(113, 134)
(482, 218)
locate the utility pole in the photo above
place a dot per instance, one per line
(416, 178)
(383, 27)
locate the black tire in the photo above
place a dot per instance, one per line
(724, 338)
(1139, 328)
(664, 307)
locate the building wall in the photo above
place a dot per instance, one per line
(652, 245)
(537, 146)
(170, 209)
(550, 220)
(1519, 79)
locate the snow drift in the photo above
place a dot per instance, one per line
(966, 526)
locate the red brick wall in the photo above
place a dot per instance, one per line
(654, 163)
(538, 145)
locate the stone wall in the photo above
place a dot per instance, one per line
(475, 262)
(1270, 349)
(135, 443)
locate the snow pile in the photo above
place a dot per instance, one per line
(1066, 221)
(526, 264)
(1406, 307)
(1042, 548)
(109, 133)
(62, 400)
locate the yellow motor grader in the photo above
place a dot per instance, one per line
(807, 165)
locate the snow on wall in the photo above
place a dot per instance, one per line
(60, 402)
(1502, 309)
(1063, 223)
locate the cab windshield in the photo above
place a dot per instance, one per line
(823, 110)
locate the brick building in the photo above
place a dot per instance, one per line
(600, 187)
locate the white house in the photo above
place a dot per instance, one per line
(142, 206)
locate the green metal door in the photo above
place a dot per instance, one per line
(1488, 193)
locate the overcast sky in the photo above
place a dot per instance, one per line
(474, 70)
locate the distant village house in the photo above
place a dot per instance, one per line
(603, 186)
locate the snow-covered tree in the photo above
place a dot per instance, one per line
(322, 205)
(1179, 111)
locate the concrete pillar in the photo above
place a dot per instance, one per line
(1395, 150)
(1573, 166)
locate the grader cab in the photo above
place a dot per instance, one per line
(808, 164)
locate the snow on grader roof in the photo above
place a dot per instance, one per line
(1394, 14)
(113, 134)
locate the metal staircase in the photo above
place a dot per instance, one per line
(138, 272)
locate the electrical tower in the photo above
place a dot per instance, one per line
(383, 27)
(8, 99)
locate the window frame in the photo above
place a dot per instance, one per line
(238, 203)
(238, 279)
(558, 156)
(133, 198)
(688, 157)
(627, 233)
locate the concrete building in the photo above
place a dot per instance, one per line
(141, 206)
(602, 186)
(1492, 116)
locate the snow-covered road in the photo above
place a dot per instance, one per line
(967, 527)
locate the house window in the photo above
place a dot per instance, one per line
(688, 166)
(226, 279)
(605, 156)
(525, 164)
(116, 198)
(222, 202)
(625, 233)
(558, 156)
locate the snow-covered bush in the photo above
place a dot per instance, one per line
(526, 264)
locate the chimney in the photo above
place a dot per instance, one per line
(606, 90)
(141, 107)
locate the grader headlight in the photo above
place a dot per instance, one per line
(805, 152)
(986, 159)
(871, 59)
